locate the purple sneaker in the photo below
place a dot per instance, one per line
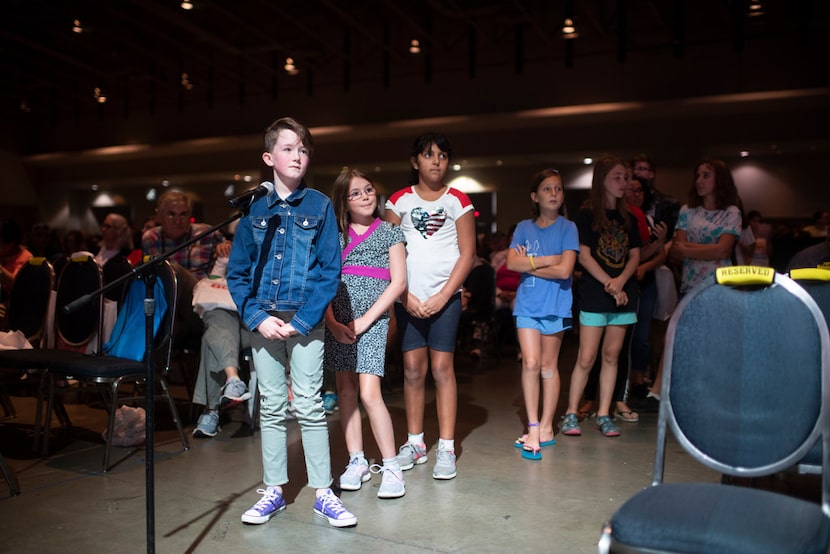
(329, 507)
(268, 506)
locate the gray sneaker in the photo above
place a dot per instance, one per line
(391, 484)
(207, 426)
(234, 392)
(444, 465)
(357, 473)
(410, 455)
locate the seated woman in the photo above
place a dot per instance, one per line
(116, 240)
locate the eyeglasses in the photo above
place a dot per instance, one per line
(358, 194)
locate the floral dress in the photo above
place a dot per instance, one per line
(364, 278)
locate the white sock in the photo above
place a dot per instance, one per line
(392, 463)
(446, 445)
(415, 439)
(359, 456)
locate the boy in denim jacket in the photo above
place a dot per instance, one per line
(283, 271)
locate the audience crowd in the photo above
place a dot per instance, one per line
(617, 305)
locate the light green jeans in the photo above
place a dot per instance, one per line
(304, 356)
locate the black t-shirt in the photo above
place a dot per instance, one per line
(609, 248)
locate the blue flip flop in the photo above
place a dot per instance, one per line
(529, 454)
(520, 442)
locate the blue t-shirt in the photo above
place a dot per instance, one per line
(537, 296)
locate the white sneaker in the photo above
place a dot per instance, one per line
(391, 484)
(357, 473)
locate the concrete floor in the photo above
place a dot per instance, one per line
(498, 503)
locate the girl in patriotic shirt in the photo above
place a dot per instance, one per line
(439, 228)
(357, 323)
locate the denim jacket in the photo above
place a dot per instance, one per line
(286, 257)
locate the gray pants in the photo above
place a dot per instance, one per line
(222, 340)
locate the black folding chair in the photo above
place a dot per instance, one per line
(110, 371)
(28, 313)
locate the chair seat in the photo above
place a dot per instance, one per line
(706, 518)
(70, 362)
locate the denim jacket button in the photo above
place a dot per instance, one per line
(282, 231)
(278, 256)
(275, 282)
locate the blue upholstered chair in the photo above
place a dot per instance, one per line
(745, 391)
(816, 281)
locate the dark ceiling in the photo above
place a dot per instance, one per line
(182, 83)
(152, 54)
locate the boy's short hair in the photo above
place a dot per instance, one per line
(289, 124)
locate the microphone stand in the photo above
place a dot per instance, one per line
(144, 271)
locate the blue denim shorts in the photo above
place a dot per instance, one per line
(437, 332)
(593, 319)
(549, 325)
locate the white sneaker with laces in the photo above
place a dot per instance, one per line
(357, 473)
(391, 484)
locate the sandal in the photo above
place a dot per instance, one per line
(520, 442)
(530, 453)
(629, 416)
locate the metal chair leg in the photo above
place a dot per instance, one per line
(11, 478)
(8, 407)
(176, 418)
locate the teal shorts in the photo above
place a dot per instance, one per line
(593, 319)
(545, 325)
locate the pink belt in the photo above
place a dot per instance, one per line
(367, 271)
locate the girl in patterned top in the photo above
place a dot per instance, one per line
(357, 322)
(707, 229)
(708, 225)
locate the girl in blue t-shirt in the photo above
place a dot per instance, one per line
(544, 250)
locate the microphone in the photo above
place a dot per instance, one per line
(248, 197)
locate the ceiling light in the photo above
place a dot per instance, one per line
(76, 26)
(185, 81)
(456, 167)
(414, 46)
(98, 94)
(24, 106)
(568, 29)
(186, 5)
(290, 68)
(755, 9)
(744, 153)
(587, 160)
